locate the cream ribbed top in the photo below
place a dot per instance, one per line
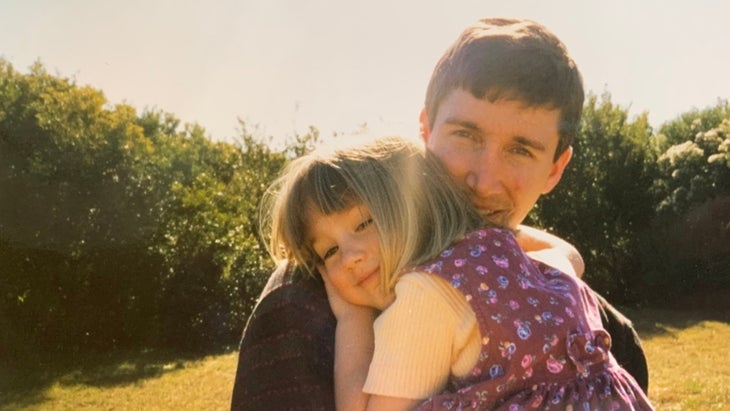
(428, 333)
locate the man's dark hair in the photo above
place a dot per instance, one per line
(511, 59)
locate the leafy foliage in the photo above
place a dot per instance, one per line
(602, 202)
(691, 247)
(686, 125)
(119, 229)
(694, 170)
(123, 229)
(647, 215)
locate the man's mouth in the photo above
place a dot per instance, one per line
(493, 210)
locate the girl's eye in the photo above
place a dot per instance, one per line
(329, 253)
(364, 224)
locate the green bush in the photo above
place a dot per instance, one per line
(119, 229)
(127, 230)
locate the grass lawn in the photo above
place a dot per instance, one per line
(687, 353)
(688, 358)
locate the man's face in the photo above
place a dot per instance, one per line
(501, 153)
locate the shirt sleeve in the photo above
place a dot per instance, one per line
(427, 334)
(286, 354)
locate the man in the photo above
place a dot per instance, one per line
(502, 108)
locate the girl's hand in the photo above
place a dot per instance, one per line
(342, 309)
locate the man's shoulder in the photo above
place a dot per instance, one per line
(289, 337)
(291, 300)
(292, 285)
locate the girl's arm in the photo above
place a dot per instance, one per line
(551, 250)
(353, 353)
(379, 402)
(353, 349)
(354, 342)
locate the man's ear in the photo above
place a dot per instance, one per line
(556, 172)
(425, 128)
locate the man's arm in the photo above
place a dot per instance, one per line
(287, 351)
(550, 249)
(626, 345)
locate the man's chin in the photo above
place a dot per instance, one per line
(497, 218)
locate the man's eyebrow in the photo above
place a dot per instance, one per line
(534, 144)
(470, 125)
(455, 121)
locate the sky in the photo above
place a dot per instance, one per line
(351, 66)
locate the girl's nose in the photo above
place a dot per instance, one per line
(353, 255)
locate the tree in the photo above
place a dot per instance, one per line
(691, 247)
(67, 167)
(119, 229)
(602, 203)
(686, 125)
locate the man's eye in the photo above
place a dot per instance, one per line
(522, 151)
(364, 224)
(469, 137)
(465, 133)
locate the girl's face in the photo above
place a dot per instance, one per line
(347, 245)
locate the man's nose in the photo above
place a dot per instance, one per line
(485, 174)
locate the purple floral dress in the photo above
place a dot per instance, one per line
(543, 345)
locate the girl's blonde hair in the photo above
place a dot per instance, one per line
(416, 207)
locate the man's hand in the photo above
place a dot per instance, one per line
(551, 250)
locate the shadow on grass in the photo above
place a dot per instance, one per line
(650, 322)
(24, 385)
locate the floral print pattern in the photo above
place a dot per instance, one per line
(543, 345)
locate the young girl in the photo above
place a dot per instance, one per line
(464, 316)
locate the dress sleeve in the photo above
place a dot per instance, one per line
(427, 334)
(286, 354)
